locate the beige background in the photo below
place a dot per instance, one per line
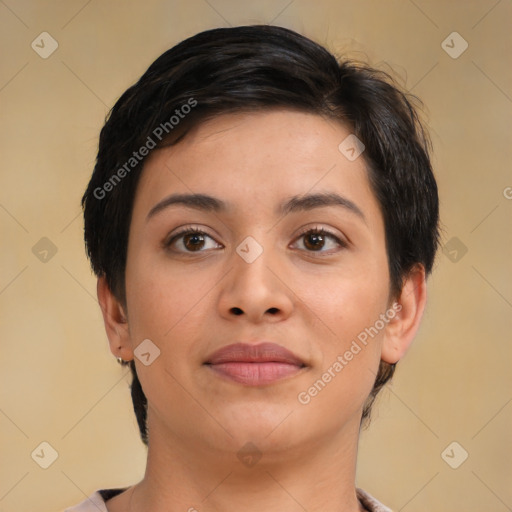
(59, 382)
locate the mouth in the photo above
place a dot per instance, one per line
(255, 365)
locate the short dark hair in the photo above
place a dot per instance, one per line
(257, 68)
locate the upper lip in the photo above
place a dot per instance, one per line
(264, 352)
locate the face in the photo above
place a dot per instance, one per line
(258, 262)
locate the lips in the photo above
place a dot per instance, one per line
(255, 365)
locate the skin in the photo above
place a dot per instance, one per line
(311, 297)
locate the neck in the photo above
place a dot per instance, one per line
(184, 476)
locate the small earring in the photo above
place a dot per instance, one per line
(120, 360)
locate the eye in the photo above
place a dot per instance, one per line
(316, 239)
(190, 240)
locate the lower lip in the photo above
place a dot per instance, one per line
(255, 374)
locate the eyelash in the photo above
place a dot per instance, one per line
(317, 230)
(323, 232)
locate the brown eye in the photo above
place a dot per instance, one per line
(191, 240)
(317, 239)
(314, 240)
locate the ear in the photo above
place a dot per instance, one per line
(116, 323)
(409, 308)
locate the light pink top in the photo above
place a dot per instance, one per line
(95, 503)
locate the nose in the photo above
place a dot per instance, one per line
(256, 291)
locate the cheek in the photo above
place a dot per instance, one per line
(346, 310)
(350, 352)
(167, 308)
(162, 300)
(172, 308)
(348, 301)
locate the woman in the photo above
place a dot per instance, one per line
(261, 219)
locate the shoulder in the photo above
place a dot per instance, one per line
(94, 503)
(370, 503)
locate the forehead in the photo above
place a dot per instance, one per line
(256, 160)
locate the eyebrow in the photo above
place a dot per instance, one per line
(197, 201)
(294, 204)
(321, 200)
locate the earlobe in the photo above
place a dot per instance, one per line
(409, 308)
(115, 320)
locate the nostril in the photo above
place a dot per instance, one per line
(237, 311)
(273, 311)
